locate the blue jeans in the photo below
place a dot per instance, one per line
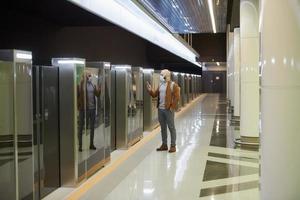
(166, 118)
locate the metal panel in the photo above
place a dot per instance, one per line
(122, 126)
(17, 132)
(24, 129)
(129, 109)
(187, 88)
(100, 73)
(71, 74)
(137, 103)
(67, 128)
(107, 109)
(46, 130)
(155, 84)
(182, 89)
(150, 104)
(7, 144)
(50, 130)
(147, 126)
(36, 128)
(175, 79)
(190, 16)
(113, 110)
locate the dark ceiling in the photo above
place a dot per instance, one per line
(50, 12)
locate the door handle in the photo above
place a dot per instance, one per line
(46, 115)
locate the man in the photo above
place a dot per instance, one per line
(168, 96)
(90, 107)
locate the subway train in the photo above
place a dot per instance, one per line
(48, 136)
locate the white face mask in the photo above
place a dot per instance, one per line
(161, 78)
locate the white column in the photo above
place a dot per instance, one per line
(236, 49)
(227, 53)
(280, 99)
(230, 69)
(249, 121)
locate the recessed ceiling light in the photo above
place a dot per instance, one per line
(212, 16)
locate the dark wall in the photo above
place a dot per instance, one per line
(93, 43)
(162, 59)
(58, 28)
(211, 47)
(212, 84)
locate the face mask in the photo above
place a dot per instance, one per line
(161, 78)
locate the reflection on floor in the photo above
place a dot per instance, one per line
(207, 164)
(230, 172)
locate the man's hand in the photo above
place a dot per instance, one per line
(149, 88)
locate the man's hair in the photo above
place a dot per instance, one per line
(167, 74)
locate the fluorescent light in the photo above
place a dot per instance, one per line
(122, 67)
(71, 62)
(106, 65)
(25, 56)
(128, 15)
(218, 63)
(148, 70)
(212, 16)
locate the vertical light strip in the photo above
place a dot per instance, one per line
(212, 15)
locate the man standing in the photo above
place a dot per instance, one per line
(89, 107)
(168, 96)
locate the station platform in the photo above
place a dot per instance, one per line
(206, 166)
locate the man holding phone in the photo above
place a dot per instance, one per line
(168, 95)
(87, 108)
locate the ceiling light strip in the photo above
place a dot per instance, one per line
(71, 61)
(212, 15)
(129, 16)
(25, 56)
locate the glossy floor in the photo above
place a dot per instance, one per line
(207, 165)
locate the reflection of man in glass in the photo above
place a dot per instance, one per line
(92, 91)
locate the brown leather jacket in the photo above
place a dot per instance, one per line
(172, 97)
(80, 95)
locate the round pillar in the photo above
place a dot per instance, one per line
(280, 99)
